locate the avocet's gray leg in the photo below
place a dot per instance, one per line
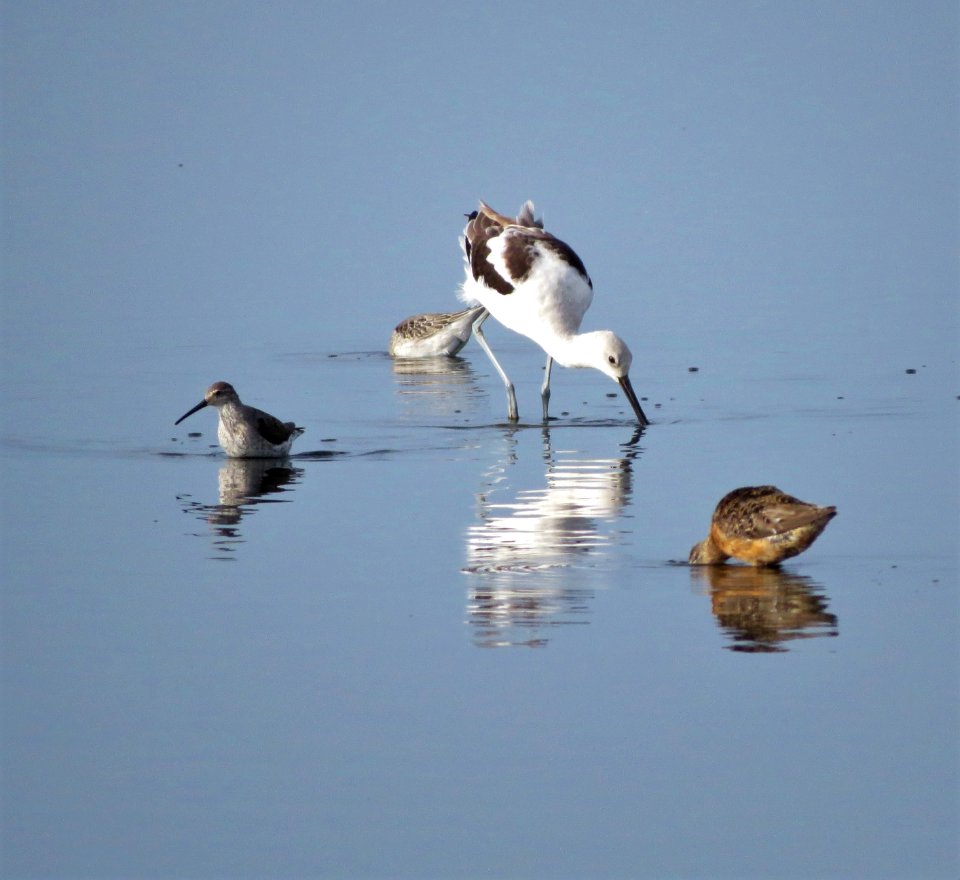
(545, 388)
(512, 414)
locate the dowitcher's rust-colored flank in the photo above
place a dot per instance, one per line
(760, 525)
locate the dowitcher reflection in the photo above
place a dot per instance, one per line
(762, 609)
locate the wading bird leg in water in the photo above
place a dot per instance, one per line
(512, 413)
(545, 388)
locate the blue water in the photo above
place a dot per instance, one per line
(433, 645)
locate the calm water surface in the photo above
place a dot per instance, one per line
(431, 645)
(434, 645)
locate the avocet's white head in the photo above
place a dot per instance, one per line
(611, 354)
(605, 351)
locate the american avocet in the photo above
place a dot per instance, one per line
(760, 525)
(245, 432)
(536, 285)
(433, 334)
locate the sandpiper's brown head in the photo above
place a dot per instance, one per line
(217, 394)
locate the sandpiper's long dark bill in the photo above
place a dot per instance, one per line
(244, 431)
(535, 284)
(760, 525)
(197, 408)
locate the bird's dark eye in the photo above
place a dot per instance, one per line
(611, 359)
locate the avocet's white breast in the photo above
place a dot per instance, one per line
(552, 296)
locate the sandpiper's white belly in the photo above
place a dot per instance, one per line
(240, 439)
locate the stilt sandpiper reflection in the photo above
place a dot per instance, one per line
(760, 525)
(536, 285)
(434, 334)
(245, 432)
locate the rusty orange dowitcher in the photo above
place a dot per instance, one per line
(760, 525)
